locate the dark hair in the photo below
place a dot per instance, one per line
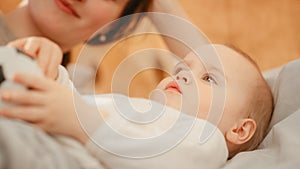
(124, 26)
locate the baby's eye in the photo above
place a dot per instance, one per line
(209, 79)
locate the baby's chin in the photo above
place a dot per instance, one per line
(167, 98)
(159, 96)
(175, 102)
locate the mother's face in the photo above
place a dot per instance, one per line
(69, 22)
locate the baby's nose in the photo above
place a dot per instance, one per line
(184, 76)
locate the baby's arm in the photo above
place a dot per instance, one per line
(47, 53)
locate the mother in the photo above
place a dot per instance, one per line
(70, 22)
(67, 22)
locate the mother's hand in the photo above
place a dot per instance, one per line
(47, 53)
(47, 105)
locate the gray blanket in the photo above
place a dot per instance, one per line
(23, 146)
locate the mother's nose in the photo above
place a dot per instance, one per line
(184, 76)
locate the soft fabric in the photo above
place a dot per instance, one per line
(170, 142)
(27, 147)
(63, 152)
(280, 149)
(83, 77)
(12, 61)
(72, 147)
(286, 92)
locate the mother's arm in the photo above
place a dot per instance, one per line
(178, 24)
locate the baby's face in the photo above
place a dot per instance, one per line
(192, 86)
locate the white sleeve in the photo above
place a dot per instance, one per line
(83, 77)
(63, 77)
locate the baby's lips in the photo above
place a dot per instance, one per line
(173, 86)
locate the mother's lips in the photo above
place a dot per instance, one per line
(173, 86)
(66, 7)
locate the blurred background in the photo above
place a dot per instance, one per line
(267, 30)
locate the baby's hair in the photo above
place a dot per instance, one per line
(259, 109)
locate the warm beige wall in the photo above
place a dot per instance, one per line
(8, 5)
(268, 30)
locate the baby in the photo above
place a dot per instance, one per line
(192, 89)
(196, 89)
(248, 105)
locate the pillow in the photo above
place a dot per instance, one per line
(280, 148)
(286, 92)
(271, 76)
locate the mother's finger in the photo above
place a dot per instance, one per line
(29, 114)
(33, 81)
(55, 60)
(23, 97)
(32, 46)
(19, 43)
(44, 58)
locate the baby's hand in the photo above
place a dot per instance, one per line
(47, 53)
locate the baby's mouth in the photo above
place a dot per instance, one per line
(173, 86)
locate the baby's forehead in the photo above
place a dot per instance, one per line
(217, 55)
(232, 64)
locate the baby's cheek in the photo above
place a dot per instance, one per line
(163, 83)
(175, 101)
(205, 102)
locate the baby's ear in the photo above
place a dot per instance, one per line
(241, 132)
